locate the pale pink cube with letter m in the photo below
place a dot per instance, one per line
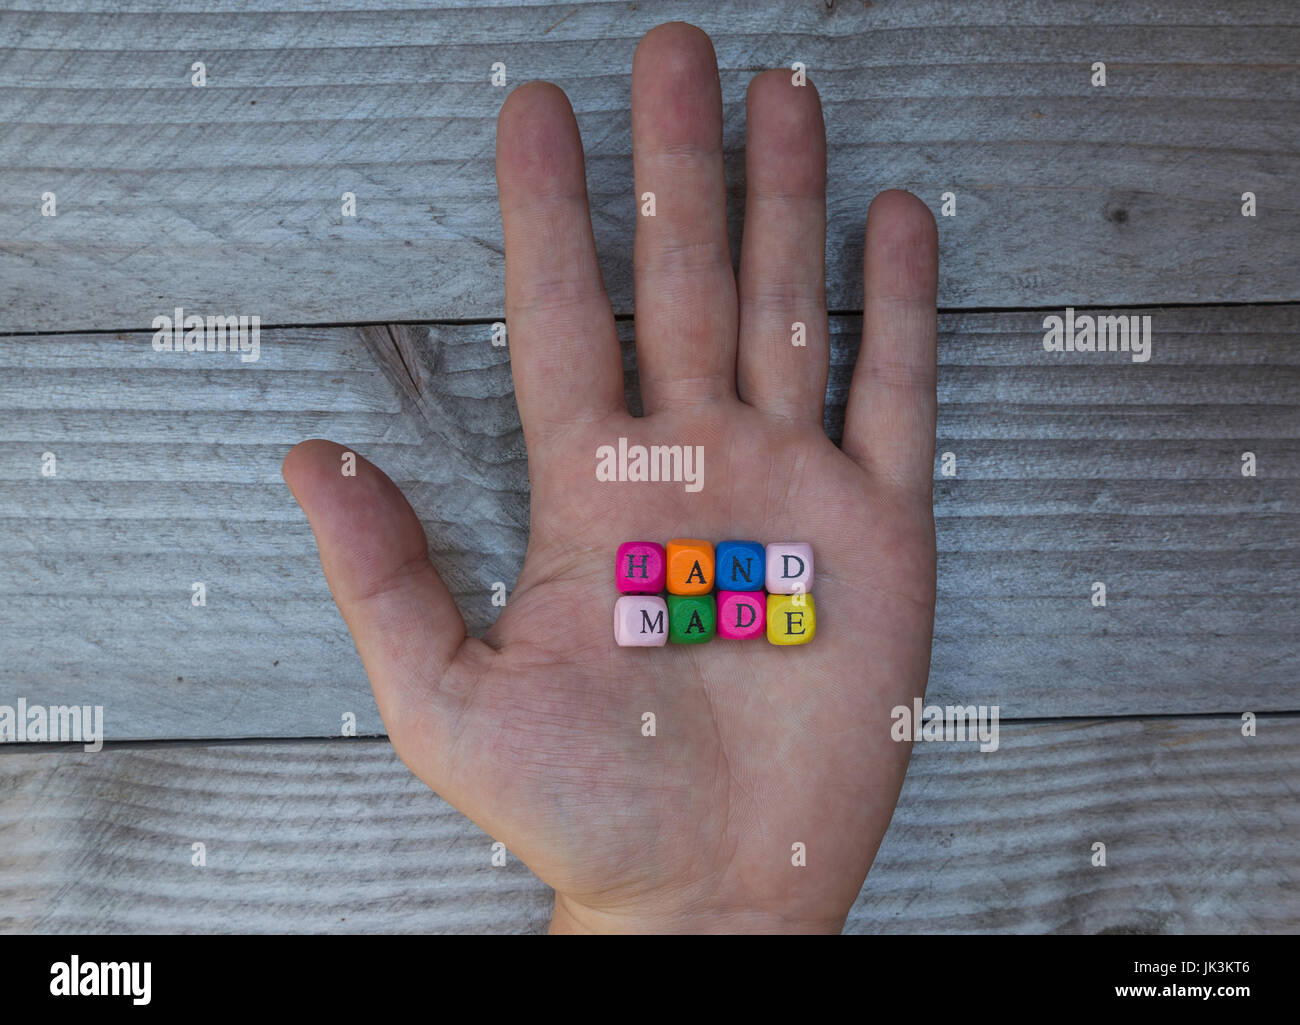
(789, 568)
(640, 621)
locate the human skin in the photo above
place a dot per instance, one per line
(534, 731)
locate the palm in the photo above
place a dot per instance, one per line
(756, 747)
(537, 730)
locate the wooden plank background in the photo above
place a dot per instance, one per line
(306, 836)
(1119, 724)
(1070, 468)
(227, 198)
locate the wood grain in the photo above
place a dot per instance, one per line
(227, 199)
(1070, 469)
(1199, 825)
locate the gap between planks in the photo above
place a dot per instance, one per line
(631, 317)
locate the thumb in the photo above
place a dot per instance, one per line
(403, 620)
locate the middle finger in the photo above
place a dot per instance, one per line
(685, 287)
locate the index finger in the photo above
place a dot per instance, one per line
(564, 349)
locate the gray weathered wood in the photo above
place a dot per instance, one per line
(1199, 825)
(1070, 469)
(226, 199)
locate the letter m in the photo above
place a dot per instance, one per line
(1112, 334)
(68, 721)
(217, 328)
(670, 461)
(958, 717)
(117, 974)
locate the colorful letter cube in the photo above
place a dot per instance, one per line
(791, 618)
(741, 566)
(690, 566)
(640, 621)
(789, 569)
(692, 619)
(640, 567)
(741, 614)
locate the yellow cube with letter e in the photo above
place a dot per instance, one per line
(791, 618)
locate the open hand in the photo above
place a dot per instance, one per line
(534, 731)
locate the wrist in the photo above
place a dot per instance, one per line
(572, 918)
